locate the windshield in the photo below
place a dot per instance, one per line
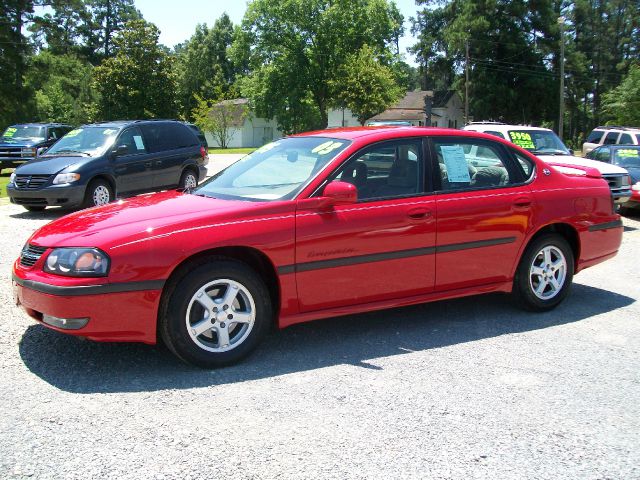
(23, 131)
(276, 171)
(91, 141)
(538, 141)
(627, 157)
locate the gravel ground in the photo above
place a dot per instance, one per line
(471, 388)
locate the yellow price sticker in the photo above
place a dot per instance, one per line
(326, 147)
(628, 153)
(73, 133)
(267, 147)
(9, 132)
(522, 139)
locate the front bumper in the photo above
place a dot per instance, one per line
(621, 197)
(134, 319)
(67, 196)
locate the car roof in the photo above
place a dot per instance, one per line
(504, 126)
(125, 123)
(41, 124)
(388, 132)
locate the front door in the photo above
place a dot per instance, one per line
(377, 249)
(133, 168)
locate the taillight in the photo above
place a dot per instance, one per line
(203, 152)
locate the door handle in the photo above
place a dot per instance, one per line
(522, 202)
(147, 164)
(419, 213)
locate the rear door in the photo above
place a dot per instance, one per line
(132, 169)
(378, 249)
(484, 209)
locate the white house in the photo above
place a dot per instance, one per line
(246, 129)
(446, 109)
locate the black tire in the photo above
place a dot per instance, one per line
(188, 179)
(215, 279)
(34, 208)
(99, 192)
(544, 288)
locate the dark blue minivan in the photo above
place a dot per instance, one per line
(94, 164)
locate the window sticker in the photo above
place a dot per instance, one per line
(267, 147)
(326, 147)
(110, 131)
(628, 153)
(138, 140)
(10, 132)
(522, 139)
(73, 133)
(456, 163)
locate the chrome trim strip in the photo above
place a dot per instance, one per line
(605, 226)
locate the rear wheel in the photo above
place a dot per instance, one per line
(34, 208)
(216, 314)
(188, 180)
(98, 193)
(545, 273)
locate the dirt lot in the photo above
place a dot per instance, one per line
(473, 388)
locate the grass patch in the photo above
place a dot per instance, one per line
(222, 151)
(4, 179)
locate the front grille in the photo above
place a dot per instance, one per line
(31, 182)
(30, 255)
(617, 182)
(11, 152)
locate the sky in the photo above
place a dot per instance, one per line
(177, 24)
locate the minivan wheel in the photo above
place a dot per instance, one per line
(34, 208)
(216, 314)
(188, 180)
(545, 273)
(98, 193)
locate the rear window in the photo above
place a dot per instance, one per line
(595, 136)
(625, 139)
(168, 136)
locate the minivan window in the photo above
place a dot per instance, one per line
(92, 141)
(163, 136)
(595, 136)
(24, 131)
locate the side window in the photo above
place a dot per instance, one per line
(611, 138)
(595, 136)
(132, 139)
(389, 170)
(625, 139)
(470, 165)
(603, 154)
(163, 136)
(52, 134)
(527, 166)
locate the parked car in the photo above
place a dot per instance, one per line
(22, 142)
(319, 225)
(625, 156)
(611, 136)
(94, 164)
(545, 144)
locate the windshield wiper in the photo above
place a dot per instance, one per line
(70, 151)
(549, 151)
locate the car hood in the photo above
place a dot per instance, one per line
(148, 215)
(23, 142)
(602, 167)
(49, 165)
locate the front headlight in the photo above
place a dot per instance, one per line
(12, 178)
(28, 152)
(62, 178)
(77, 262)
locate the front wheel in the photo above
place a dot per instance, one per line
(34, 208)
(98, 193)
(216, 314)
(545, 273)
(188, 180)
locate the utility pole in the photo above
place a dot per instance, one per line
(561, 21)
(466, 83)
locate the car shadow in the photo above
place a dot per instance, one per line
(48, 214)
(81, 366)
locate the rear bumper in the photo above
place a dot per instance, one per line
(50, 196)
(134, 320)
(202, 172)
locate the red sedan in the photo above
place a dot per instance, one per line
(318, 225)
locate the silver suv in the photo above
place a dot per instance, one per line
(611, 136)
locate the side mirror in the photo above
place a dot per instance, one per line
(340, 193)
(571, 151)
(41, 151)
(120, 150)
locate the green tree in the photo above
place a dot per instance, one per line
(622, 104)
(108, 17)
(365, 86)
(219, 118)
(203, 66)
(62, 31)
(62, 86)
(298, 46)
(14, 50)
(139, 81)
